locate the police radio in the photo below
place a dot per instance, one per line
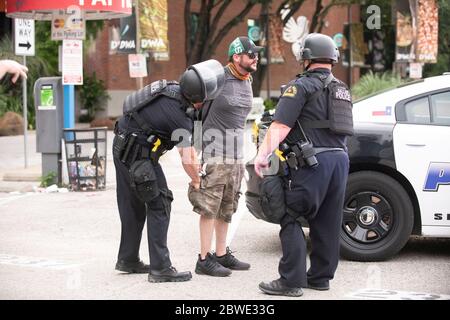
(307, 149)
(298, 149)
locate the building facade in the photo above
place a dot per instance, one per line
(114, 70)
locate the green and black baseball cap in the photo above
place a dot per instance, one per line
(242, 45)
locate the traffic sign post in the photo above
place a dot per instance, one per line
(25, 114)
(24, 37)
(24, 45)
(43, 10)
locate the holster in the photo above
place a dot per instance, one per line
(143, 179)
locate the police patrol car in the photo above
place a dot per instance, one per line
(399, 181)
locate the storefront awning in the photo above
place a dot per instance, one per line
(43, 9)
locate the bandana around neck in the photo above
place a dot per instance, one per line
(236, 73)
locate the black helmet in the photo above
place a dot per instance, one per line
(191, 86)
(202, 81)
(317, 46)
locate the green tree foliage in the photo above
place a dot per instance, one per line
(372, 83)
(44, 64)
(47, 49)
(38, 66)
(93, 95)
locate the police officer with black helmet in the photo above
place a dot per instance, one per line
(312, 120)
(157, 118)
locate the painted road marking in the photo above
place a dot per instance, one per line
(383, 294)
(4, 201)
(35, 262)
(236, 221)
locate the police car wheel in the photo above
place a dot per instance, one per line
(377, 217)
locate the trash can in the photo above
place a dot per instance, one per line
(86, 158)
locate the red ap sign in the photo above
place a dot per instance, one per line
(120, 6)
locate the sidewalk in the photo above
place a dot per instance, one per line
(13, 174)
(14, 177)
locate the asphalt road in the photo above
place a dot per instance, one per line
(64, 246)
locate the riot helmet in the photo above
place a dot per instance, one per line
(202, 81)
(318, 48)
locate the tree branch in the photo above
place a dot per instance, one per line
(282, 5)
(197, 48)
(294, 8)
(187, 28)
(226, 29)
(315, 17)
(210, 5)
(217, 3)
(219, 15)
(323, 14)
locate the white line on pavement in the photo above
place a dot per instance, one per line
(35, 262)
(236, 221)
(13, 198)
(383, 294)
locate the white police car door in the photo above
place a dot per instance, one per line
(422, 154)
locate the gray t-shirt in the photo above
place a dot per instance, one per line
(224, 126)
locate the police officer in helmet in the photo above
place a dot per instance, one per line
(156, 119)
(307, 122)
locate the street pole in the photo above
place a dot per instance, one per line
(268, 51)
(350, 55)
(140, 80)
(25, 114)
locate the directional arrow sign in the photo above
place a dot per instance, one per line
(25, 45)
(24, 37)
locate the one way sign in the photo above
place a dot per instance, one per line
(24, 37)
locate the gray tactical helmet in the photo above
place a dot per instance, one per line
(317, 46)
(202, 81)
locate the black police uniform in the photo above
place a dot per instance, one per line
(316, 193)
(164, 115)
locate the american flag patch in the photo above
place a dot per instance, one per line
(386, 112)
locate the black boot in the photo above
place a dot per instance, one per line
(169, 275)
(132, 267)
(275, 287)
(321, 286)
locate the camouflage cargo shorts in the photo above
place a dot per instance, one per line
(219, 191)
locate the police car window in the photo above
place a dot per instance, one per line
(418, 111)
(440, 108)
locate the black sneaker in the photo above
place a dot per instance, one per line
(275, 287)
(231, 262)
(211, 267)
(132, 267)
(169, 275)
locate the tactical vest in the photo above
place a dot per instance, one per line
(339, 106)
(144, 97)
(139, 99)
